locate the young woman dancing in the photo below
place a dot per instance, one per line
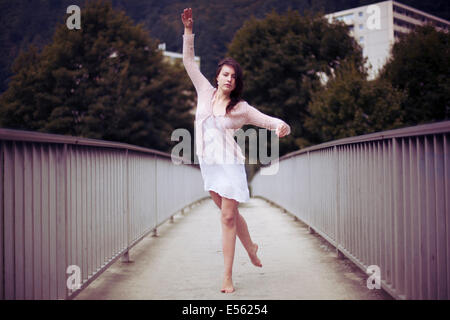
(220, 112)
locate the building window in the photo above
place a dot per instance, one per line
(360, 13)
(403, 23)
(345, 18)
(361, 39)
(361, 26)
(415, 15)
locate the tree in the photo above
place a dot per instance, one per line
(105, 81)
(349, 105)
(282, 57)
(420, 66)
(217, 21)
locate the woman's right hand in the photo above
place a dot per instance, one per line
(186, 18)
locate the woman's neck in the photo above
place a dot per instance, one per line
(221, 96)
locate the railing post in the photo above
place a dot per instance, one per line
(2, 283)
(398, 211)
(308, 212)
(156, 196)
(337, 204)
(61, 221)
(126, 255)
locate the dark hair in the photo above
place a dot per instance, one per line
(239, 83)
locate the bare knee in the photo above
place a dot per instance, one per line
(229, 212)
(229, 218)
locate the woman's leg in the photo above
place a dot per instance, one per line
(241, 230)
(228, 220)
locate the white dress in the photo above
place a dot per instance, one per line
(228, 179)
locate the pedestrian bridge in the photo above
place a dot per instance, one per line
(87, 219)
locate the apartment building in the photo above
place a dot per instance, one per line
(377, 26)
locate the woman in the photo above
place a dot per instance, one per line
(220, 112)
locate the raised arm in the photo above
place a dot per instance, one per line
(192, 69)
(259, 119)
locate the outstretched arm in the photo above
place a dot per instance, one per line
(197, 78)
(259, 119)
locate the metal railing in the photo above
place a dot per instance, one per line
(67, 201)
(381, 199)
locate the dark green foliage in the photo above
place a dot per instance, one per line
(420, 66)
(105, 81)
(349, 105)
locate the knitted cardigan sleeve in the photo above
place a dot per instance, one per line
(257, 118)
(192, 69)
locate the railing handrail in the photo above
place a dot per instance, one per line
(424, 129)
(33, 136)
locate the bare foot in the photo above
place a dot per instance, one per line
(227, 285)
(253, 257)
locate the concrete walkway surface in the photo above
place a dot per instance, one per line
(185, 261)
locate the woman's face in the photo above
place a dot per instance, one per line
(226, 80)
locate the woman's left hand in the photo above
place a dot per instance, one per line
(283, 130)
